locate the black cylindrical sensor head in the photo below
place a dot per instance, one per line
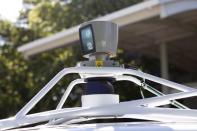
(99, 86)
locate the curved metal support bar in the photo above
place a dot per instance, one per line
(14, 122)
(150, 89)
(160, 114)
(162, 100)
(129, 78)
(158, 93)
(42, 93)
(113, 71)
(51, 83)
(67, 92)
(131, 107)
(158, 80)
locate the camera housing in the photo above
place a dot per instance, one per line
(98, 38)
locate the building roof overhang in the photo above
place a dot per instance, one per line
(142, 28)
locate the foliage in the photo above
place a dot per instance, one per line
(15, 82)
(21, 78)
(48, 24)
(61, 16)
(14, 35)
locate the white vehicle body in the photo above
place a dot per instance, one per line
(142, 126)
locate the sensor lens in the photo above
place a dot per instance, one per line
(87, 40)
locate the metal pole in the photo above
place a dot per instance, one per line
(164, 65)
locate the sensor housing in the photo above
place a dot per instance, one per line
(98, 38)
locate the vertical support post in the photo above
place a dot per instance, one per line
(164, 65)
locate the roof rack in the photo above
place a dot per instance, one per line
(146, 109)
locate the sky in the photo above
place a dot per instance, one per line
(9, 9)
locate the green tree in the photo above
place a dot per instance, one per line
(51, 23)
(16, 81)
(58, 16)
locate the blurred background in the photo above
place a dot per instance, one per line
(161, 47)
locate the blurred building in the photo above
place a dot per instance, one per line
(162, 29)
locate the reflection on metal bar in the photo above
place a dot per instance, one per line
(67, 92)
